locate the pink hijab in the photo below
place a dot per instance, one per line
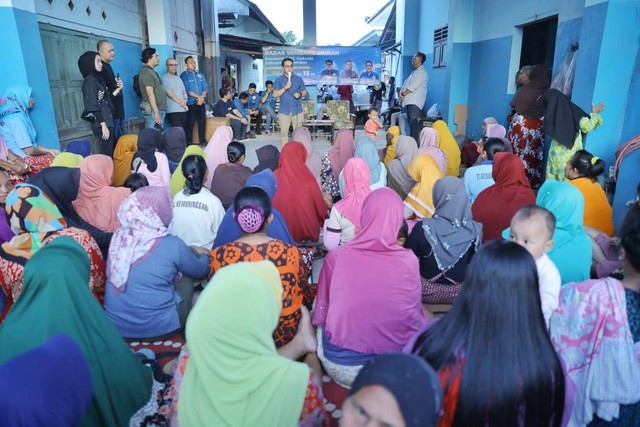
(429, 145)
(369, 289)
(343, 149)
(314, 161)
(216, 150)
(97, 201)
(495, 130)
(356, 178)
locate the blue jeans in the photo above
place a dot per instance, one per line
(151, 119)
(118, 128)
(271, 116)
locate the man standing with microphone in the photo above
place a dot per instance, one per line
(290, 88)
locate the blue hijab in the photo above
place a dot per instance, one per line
(15, 103)
(571, 252)
(48, 385)
(366, 150)
(229, 229)
(80, 147)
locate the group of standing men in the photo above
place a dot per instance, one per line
(183, 99)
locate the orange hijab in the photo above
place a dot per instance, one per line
(125, 149)
(597, 210)
(98, 202)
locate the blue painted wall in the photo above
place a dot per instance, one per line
(568, 32)
(488, 82)
(127, 62)
(435, 87)
(587, 63)
(22, 63)
(631, 125)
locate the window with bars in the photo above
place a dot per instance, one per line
(440, 36)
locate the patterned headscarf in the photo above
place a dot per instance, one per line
(33, 217)
(144, 217)
(451, 230)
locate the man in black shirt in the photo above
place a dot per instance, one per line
(107, 53)
(226, 108)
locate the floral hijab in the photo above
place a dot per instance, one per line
(144, 217)
(32, 217)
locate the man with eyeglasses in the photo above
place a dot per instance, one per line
(176, 95)
(114, 85)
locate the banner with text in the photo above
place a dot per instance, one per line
(326, 65)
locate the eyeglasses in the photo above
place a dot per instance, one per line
(172, 65)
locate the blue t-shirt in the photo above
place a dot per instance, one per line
(478, 178)
(241, 107)
(288, 104)
(271, 100)
(254, 101)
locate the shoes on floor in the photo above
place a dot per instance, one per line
(267, 132)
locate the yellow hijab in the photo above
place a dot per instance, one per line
(391, 150)
(235, 376)
(449, 145)
(125, 149)
(67, 160)
(177, 179)
(425, 172)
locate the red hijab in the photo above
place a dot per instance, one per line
(298, 197)
(495, 206)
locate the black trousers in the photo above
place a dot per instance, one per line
(196, 113)
(179, 120)
(104, 146)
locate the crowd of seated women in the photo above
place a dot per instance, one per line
(169, 240)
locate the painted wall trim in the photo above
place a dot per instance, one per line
(26, 5)
(43, 19)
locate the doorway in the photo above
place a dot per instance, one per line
(539, 42)
(233, 67)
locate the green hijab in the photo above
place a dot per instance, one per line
(56, 299)
(234, 376)
(177, 179)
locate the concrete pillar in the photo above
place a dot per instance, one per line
(459, 45)
(609, 46)
(159, 26)
(408, 32)
(22, 64)
(212, 63)
(309, 22)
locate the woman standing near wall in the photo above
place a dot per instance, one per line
(98, 107)
(525, 133)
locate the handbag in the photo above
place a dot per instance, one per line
(145, 108)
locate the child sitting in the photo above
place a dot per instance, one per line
(372, 125)
(532, 227)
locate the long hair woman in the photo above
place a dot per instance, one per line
(495, 359)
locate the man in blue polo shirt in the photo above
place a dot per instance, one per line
(253, 105)
(197, 88)
(290, 88)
